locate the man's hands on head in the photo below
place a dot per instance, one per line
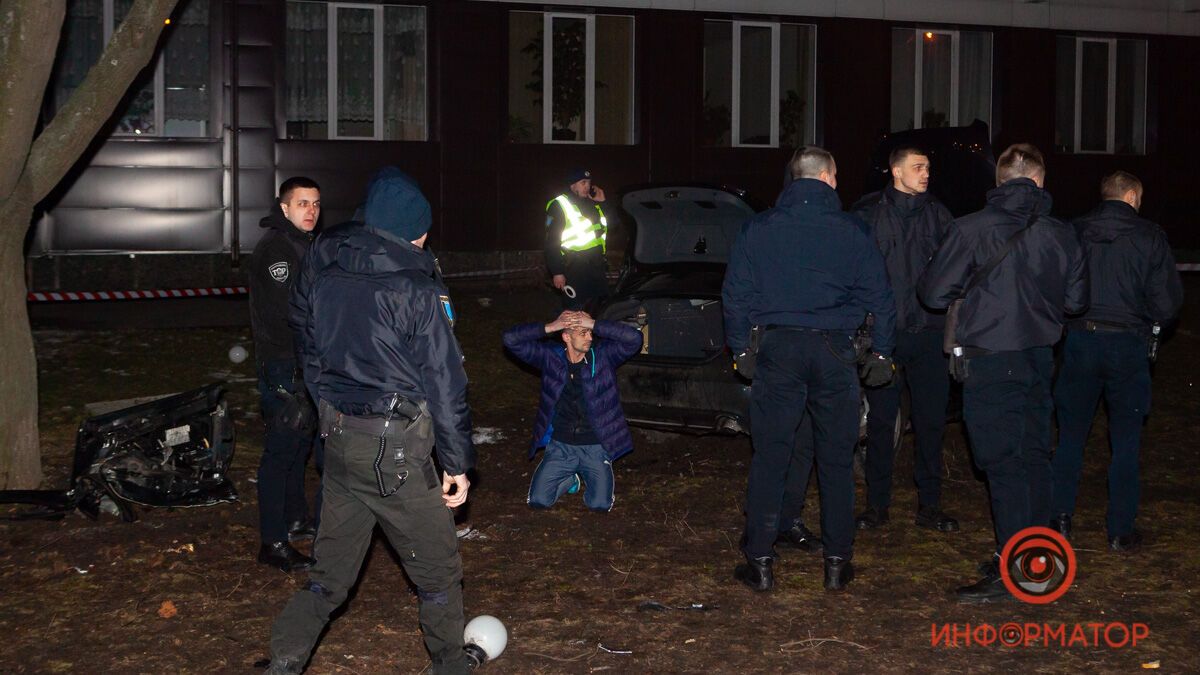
(459, 497)
(571, 319)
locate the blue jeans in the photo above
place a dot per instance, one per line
(555, 475)
(281, 499)
(802, 370)
(1007, 407)
(1115, 365)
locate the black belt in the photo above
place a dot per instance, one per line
(1103, 326)
(806, 329)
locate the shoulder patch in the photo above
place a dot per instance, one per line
(447, 308)
(279, 271)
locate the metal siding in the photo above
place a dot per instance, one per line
(128, 229)
(108, 187)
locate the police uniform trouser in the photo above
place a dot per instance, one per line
(420, 529)
(928, 382)
(1007, 407)
(797, 370)
(285, 454)
(795, 488)
(1113, 364)
(585, 272)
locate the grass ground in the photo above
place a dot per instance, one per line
(84, 596)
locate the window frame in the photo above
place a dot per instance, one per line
(1111, 110)
(160, 87)
(332, 64)
(735, 113)
(955, 73)
(589, 78)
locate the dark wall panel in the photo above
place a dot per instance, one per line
(126, 229)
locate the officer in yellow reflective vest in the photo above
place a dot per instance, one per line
(576, 230)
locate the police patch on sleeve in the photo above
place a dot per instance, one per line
(279, 271)
(447, 308)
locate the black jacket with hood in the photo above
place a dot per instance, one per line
(372, 320)
(1023, 301)
(908, 229)
(1133, 275)
(272, 270)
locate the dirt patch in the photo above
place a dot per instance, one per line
(179, 591)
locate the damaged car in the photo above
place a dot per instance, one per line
(173, 451)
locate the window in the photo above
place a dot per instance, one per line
(759, 84)
(940, 78)
(1101, 95)
(587, 76)
(355, 71)
(171, 97)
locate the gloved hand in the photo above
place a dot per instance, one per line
(297, 413)
(743, 363)
(877, 371)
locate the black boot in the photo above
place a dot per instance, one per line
(871, 519)
(302, 530)
(799, 536)
(756, 573)
(1062, 524)
(934, 518)
(282, 556)
(1126, 542)
(838, 573)
(990, 588)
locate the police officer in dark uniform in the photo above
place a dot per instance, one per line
(289, 415)
(576, 236)
(1134, 286)
(375, 328)
(1017, 291)
(908, 223)
(806, 274)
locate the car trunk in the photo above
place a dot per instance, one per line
(678, 328)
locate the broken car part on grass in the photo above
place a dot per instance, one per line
(173, 451)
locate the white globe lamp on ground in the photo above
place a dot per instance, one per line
(237, 354)
(485, 638)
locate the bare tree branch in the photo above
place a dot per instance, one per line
(29, 31)
(67, 136)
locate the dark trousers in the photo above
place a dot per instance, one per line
(795, 486)
(928, 382)
(1007, 407)
(420, 529)
(797, 371)
(586, 275)
(1115, 365)
(281, 497)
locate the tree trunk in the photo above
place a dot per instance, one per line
(20, 452)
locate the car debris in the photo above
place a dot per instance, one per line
(173, 451)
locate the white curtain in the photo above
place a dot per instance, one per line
(306, 63)
(187, 59)
(404, 73)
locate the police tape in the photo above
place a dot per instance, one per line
(73, 296)
(76, 296)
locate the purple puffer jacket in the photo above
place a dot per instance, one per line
(616, 343)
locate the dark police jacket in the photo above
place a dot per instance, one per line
(806, 263)
(1133, 275)
(556, 257)
(908, 229)
(1022, 302)
(273, 268)
(372, 321)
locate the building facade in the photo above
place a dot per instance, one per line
(488, 104)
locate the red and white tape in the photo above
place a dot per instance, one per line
(73, 296)
(70, 296)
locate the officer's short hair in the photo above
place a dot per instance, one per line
(902, 152)
(809, 161)
(1119, 183)
(1020, 160)
(285, 188)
